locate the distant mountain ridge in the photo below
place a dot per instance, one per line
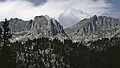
(94, 28)
(88, 29)
(39, 27)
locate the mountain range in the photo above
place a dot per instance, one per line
(94, 28)
(88, 29)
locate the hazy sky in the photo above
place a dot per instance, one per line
(68, 12)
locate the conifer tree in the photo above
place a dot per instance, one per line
(5, 56)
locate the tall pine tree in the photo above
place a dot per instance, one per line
(5, 51)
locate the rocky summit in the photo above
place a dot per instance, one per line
(39, 27)
(88, 29)
(94, 28)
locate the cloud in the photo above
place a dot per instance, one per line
(68, 12)
(72, 16)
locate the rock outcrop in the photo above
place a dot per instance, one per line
(88, 29)
(39, 27)
(94, 28)
(42, 27)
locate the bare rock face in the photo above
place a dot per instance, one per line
(18, 25)
(42, 27)
(39, 27)
(94, 28)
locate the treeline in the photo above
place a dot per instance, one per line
(46, 53)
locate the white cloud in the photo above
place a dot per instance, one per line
(67, 11)
(72, 16)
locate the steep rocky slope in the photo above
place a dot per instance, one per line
(94, 28)
(39, 27)
(42, 27)
(88, 29)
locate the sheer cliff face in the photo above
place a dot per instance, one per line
(94, 28)
(86, 30)
(39, 27)
(42, 27)
(18, 25)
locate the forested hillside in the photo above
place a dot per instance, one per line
(45, 53)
